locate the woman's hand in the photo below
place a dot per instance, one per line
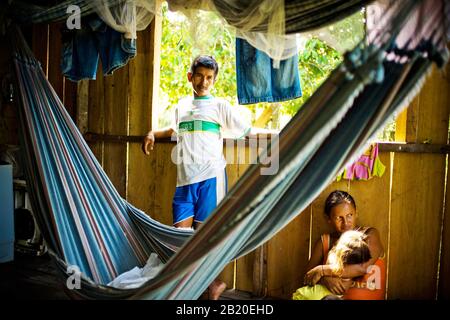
(336, 285)
(314, 275)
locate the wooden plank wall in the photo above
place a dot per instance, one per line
(46, 45)
(417, 196)
(8, 119)
(142, 93)
(444, 272)
(244, 265)
(121, 104)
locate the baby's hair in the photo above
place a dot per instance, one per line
(205, 61)
(351, 248)
(336, 198)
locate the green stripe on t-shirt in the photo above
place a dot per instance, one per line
(209, 97)
(199, 125)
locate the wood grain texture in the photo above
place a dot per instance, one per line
(96, 114)
(142, 168)
(444, 271)
(116, 122)
(373, 200)
(288, 253)
(417, 195)
(245, 264)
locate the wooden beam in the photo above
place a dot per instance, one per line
(413, 147)
(383, 146)
(119, 138)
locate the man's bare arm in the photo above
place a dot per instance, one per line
(149, 139)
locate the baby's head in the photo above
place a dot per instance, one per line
(351, 248)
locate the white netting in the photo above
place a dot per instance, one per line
(246, 15)
(127, 16)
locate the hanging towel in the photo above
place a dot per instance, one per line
(259, 81)
(366, 167)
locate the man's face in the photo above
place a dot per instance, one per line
(202, 81)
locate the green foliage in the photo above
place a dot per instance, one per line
(182, 41)
(388, 133)
(315, 63)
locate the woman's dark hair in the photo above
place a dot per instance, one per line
(336, 198)
(207, 62)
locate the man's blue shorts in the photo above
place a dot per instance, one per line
(199, 199)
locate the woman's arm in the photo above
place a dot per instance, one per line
(313, 268)
(356, 270)
(316, 256)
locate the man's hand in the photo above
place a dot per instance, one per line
(149, 141)
(336, 285)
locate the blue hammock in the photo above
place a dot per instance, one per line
(86, 223)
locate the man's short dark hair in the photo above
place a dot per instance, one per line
(206, 62)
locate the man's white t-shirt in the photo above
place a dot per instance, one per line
(200, 125)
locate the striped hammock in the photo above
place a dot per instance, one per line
(87, 224)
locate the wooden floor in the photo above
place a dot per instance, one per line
(30, 277)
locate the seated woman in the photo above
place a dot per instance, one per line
(367, 283)
(350, 249)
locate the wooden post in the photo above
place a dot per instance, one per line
(82, 106)
(144, 79)
(155, 58)
(444, 271)
(41, 44)
(54, 75)
(260, 271)
(96, 115)
(116, 122)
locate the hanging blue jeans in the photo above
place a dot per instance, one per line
(82, 48)
(258, 81)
